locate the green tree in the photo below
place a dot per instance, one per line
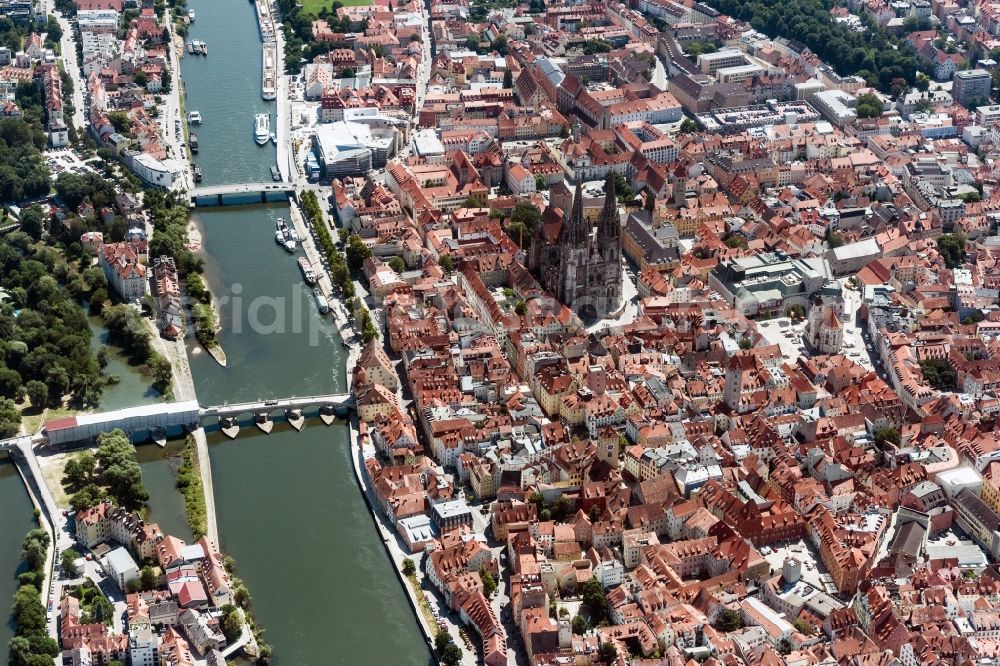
(33, 221)
(68, 563)
(357, 252)
(869, 106)
(688, 126)
(452, 655)
(446, 263)
(886, 435)
(120, 469)
(508, 79)
(10, 418)
(736, 241)
(29, 613)
(161, 370)
(580, 625)
(38, 393)
(86, 497)
(397, 264)
(939, 374)
(10, 384)
(594, 601)
(951, 247)
(34, 548)
(408, 567)
(147, 578)
(607, 653)
(489, 582)
(80, 470)
(442, 639)
(623, 189)
(728, 619)
(232, 622)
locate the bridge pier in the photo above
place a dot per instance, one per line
(229, 426)
(264, 422)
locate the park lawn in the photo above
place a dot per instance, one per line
(313, 6)
(53, 468)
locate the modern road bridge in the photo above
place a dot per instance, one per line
(241, 194)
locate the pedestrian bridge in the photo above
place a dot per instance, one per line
(175, 416)
(241, 194)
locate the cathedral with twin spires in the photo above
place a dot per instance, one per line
(582, 268)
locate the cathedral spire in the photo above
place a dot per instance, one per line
(576, 229)
(609, 223)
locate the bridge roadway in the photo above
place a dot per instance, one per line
(241, 188)
(172, 415)
(337, 400)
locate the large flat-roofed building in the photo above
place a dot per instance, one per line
(852, 257)
(426, 144)
(152, 171)
(837, 106)
(988, 116)
(710, 63)
(18, 11)
(738, 74)
(971, 85)
(767, 283)
(349, 148)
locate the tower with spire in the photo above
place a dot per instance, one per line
(582, 268)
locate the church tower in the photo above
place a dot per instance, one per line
(609, 225)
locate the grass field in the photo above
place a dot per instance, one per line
(313, 6)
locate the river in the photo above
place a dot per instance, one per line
(15, 521)
(132, 388)
(289, 509)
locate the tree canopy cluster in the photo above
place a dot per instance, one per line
(871, 54)
(952, 249)
(169, 213)
(119, 471)
(448, 652)
(339, 271)
(189, 483)
(31, 645)
(523, 221)
(869, 106)
(939, 374)
(595, 606)
(23, 174)
(44, 350)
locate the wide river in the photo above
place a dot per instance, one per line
(289, 509)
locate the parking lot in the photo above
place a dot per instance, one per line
(60, 161)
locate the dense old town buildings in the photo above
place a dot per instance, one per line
(688, 332)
